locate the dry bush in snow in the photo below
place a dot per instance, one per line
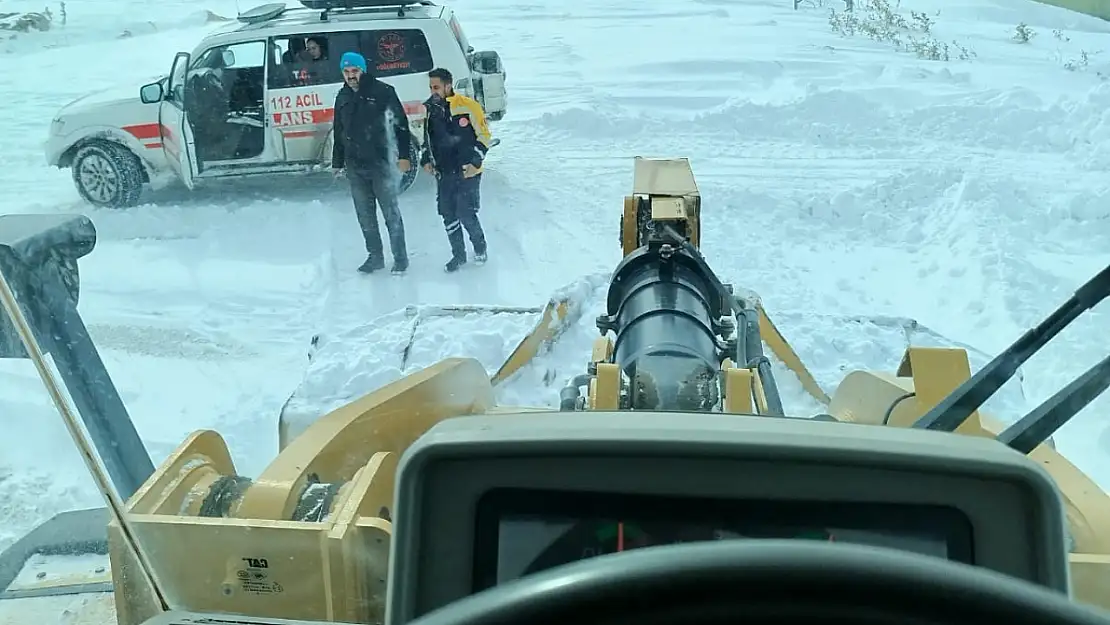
(1076, 63)
(1073, 63)
(1024, 34)
(26, 22)
(883, 21)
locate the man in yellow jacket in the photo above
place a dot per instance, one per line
(456, 138)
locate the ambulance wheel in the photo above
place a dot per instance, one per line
(409, 177)
(107, 174)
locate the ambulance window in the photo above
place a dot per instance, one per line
(397, 52)
(304, 59)
(250, 54)
(177, 79)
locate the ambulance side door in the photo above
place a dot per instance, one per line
(177, 136)
(252, 149)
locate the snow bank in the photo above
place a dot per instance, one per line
(53, 28)
(350, 364)
(1014, 119)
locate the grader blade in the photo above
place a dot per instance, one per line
(554, 320)
(779, 346)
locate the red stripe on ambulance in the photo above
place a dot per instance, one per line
(144, 131)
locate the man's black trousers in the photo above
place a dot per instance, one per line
(367, 189)
(458, 200)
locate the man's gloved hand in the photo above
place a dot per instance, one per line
(428, 169)
(469, 171)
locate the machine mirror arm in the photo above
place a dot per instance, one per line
(954, 409)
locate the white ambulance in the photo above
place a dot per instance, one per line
(255, 97)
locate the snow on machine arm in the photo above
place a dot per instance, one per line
(679, 401)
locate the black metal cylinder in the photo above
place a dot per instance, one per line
(571, 393)
(662, 311)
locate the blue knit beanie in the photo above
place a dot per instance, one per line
(352, 59)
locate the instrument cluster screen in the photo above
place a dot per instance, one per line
(520, 532)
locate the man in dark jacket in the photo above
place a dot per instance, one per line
(456, 138)
(371, 142)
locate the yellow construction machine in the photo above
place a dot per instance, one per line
(310, 536)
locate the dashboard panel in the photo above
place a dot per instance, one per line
(483, 500)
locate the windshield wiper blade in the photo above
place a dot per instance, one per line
(954, 409)
(1043, 421)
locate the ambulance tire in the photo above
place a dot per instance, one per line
(107, 174)
(409, 177)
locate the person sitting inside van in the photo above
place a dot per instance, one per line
(295, 53)
(307, 61)
(315, 70)
(317, 49)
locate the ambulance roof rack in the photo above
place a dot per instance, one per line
(263, 13)
(327, 6)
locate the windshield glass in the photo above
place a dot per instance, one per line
(233, 261)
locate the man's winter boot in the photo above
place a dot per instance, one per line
(458, 249)
(400, 266)
(371, 265)
(454, 264)
(480, 257)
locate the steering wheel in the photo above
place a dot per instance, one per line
(765, 581)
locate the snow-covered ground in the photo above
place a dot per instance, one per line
(839, 176)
